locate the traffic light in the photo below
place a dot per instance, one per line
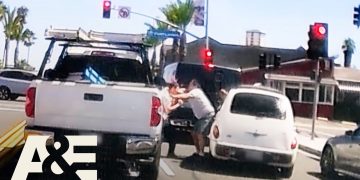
(356, 16)
(318, 41)
(106, 9)
(207, 56)
(262, 61)
(277, 61)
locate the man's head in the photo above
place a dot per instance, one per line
(173, 88)
(193, 84)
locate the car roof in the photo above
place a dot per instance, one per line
(258, 90)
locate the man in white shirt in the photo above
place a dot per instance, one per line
(170, 104)
(203, 111)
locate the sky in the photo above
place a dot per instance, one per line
(284, 22)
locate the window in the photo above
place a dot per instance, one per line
(257, 105)
(28, 76)
(12, 74)
(307, 95)
(292, 94)
(109, 68)
(292, 91)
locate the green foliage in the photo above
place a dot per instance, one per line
(349, 45)
(179, 13)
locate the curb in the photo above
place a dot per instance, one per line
(310, 150)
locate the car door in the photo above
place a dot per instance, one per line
(17, 82)
(354, 152)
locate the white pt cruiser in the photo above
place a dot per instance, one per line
(255, 124)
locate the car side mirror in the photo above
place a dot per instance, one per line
(349, 133)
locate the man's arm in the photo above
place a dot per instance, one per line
(184, 96)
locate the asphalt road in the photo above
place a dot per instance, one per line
(184, 167)
(10, 113)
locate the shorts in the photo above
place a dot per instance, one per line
(203, 125)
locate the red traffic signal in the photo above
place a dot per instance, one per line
(319, 30)
(207, 56)
(106, 9)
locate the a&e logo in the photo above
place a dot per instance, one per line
(68, 157)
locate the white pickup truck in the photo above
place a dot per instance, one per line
(102, 88)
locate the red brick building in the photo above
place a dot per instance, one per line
(292, 78)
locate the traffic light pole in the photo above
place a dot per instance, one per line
(316, 98)
(206, 25)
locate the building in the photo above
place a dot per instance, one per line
(347, 95)
(292, 78)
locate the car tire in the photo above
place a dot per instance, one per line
(4, 93)
(327, 162)
(13, 97)
(287, 172)
(151, 171)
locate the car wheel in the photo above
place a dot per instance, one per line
(4, 93)
(327, 162)
(13, 97)
(287, 172)
(151, 171)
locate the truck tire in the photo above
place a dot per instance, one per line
(287, 172)
(151, 171)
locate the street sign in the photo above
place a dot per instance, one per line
(124, 12)
(163, 33)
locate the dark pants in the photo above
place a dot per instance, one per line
(169, 134)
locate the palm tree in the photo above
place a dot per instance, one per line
(348, 48)
(180, 14)
(154, 42)
(20, 33)
(10, 27)
(28, 39)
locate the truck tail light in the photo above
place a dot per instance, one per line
(30, 102)
(216, 132)
(293, 143)
(155, 116)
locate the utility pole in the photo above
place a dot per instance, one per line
(316, 97)
(206, 25)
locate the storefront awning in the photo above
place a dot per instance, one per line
(303, 79)
(350, 88)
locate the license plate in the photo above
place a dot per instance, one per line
(254, 155)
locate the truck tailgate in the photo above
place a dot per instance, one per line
(93, 107)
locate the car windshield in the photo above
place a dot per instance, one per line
(108, 68)
(257, 105)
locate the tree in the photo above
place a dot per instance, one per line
(154, 42)
(19, 32)
(10, 26)
(348, 48)
(28, 39)
(180, 14)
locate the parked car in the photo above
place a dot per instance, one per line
(14, 83)
(341, 154)
(255, 124)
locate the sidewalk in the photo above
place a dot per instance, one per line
(314, 146)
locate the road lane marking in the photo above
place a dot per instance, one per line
(166, 168)
(13, 105)
(10, 109)
(309, 155)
